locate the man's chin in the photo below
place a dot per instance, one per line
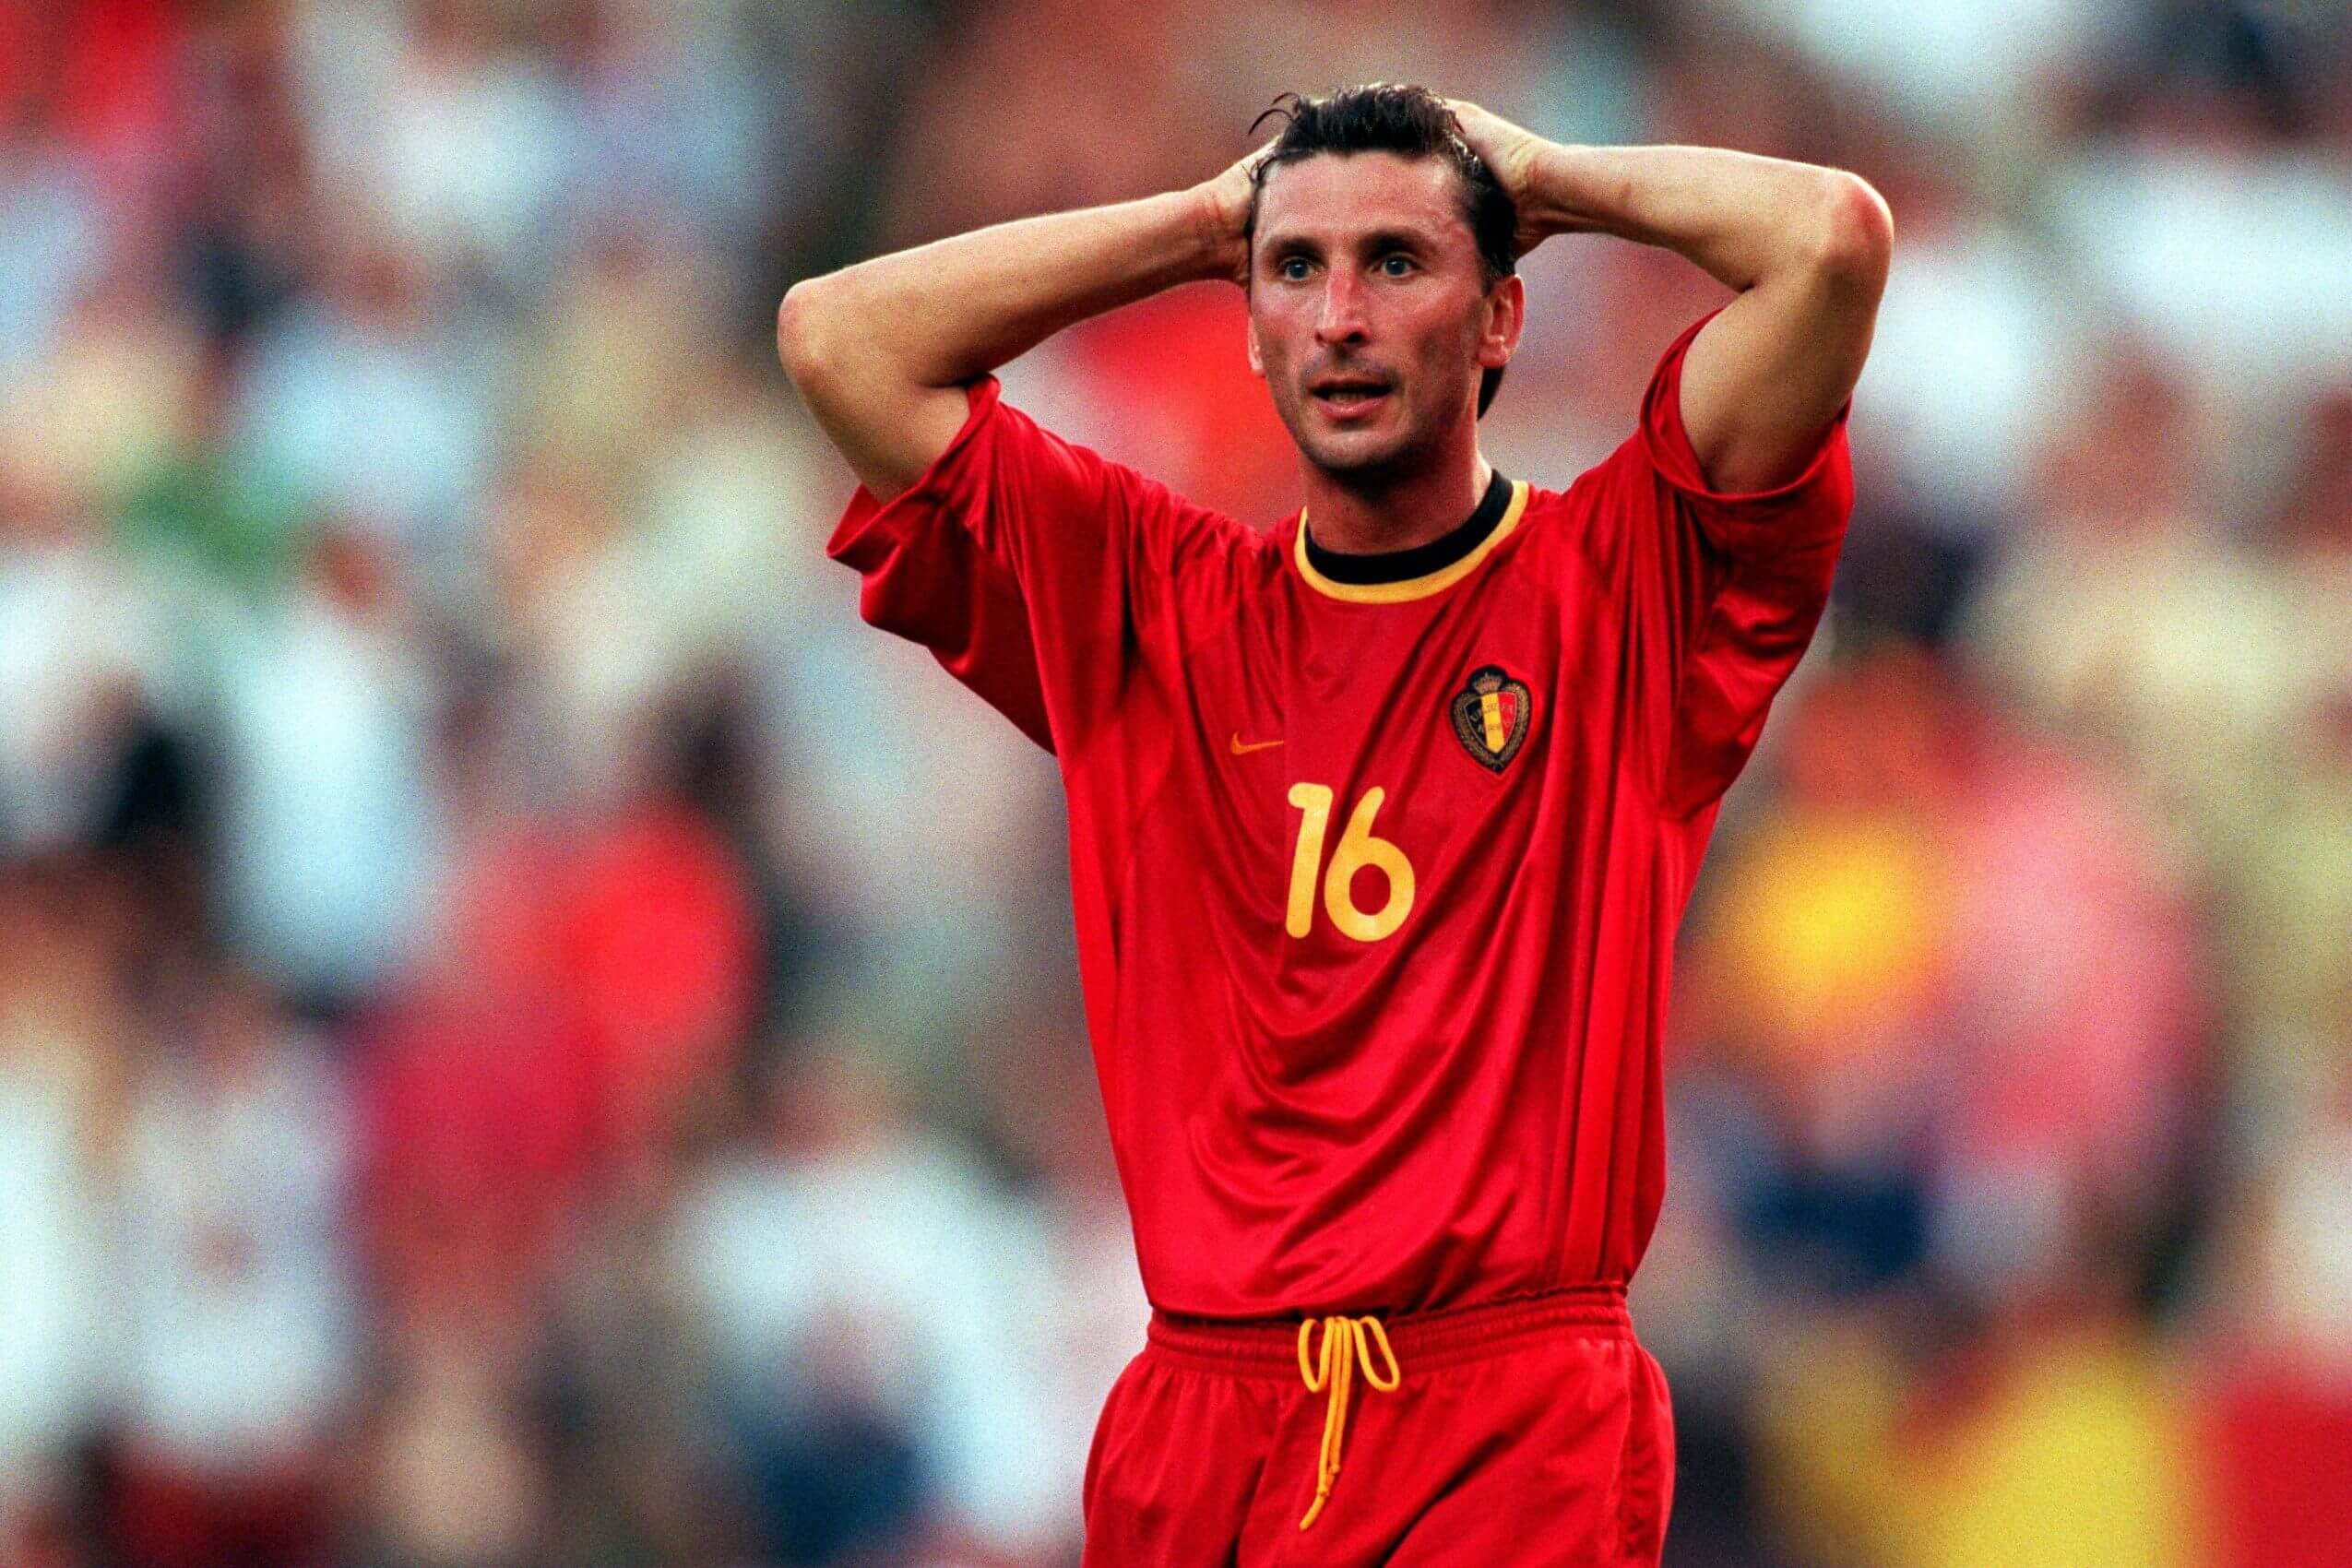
(1365, 453)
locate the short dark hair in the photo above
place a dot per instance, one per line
(1411, 122)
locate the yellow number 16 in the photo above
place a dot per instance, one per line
(1357, 849)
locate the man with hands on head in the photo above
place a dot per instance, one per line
(1381, 822)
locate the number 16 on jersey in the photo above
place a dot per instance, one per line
(1355, 849)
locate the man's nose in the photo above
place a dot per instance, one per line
(1341, 319)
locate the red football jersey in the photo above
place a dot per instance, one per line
(1376, 886)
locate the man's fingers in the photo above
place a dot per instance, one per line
(1230, 194)
(1477, 124)
(1489, 135)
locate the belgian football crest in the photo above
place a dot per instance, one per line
(1490, 716)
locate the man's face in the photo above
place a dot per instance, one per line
(1370, 316)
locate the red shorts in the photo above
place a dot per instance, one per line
(1529, 1433)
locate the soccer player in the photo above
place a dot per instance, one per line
(1381, 822)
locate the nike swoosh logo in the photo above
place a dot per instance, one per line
(1242, 750)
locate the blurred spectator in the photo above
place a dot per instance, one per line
(331, 830)
(49, 243)
(78, 641)
(374, 401)
(239, 1359)
(2127, 617)
(64, 1052)
(867, 1296)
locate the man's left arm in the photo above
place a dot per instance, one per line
(1806, 247)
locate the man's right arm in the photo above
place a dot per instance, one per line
(883, 350)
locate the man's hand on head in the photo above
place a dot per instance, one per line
(1511, 154)
(1226, 201)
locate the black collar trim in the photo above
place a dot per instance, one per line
(1417, 561)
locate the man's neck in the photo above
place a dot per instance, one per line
(1358, 518)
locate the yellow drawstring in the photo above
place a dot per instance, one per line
(1344, 1345)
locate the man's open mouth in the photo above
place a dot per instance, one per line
(1344, 395)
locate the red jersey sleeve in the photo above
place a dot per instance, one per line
(1725, 589)
(1027, 564)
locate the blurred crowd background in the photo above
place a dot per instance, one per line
(529, 1037)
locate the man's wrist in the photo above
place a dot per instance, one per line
(1219, 245)
(1561, 192)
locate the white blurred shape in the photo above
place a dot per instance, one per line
(55, 1270)
(239, 1319)
(1956, 62)
(369, 424)
(1966, 371)
(2239, 264)
(332, 832)
(893, 1264)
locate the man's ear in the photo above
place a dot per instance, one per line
(1506, 305)
(1258, 359)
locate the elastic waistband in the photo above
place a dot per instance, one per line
(1269, 1347)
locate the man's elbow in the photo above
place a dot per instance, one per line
(1856, 242)
(805, 331)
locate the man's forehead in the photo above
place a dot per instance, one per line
(1328, 195)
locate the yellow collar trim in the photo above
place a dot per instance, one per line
(1411, 587)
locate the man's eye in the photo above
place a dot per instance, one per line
(1396, 265)
(1291, 267)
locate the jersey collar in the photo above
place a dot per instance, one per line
(1423, 584)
